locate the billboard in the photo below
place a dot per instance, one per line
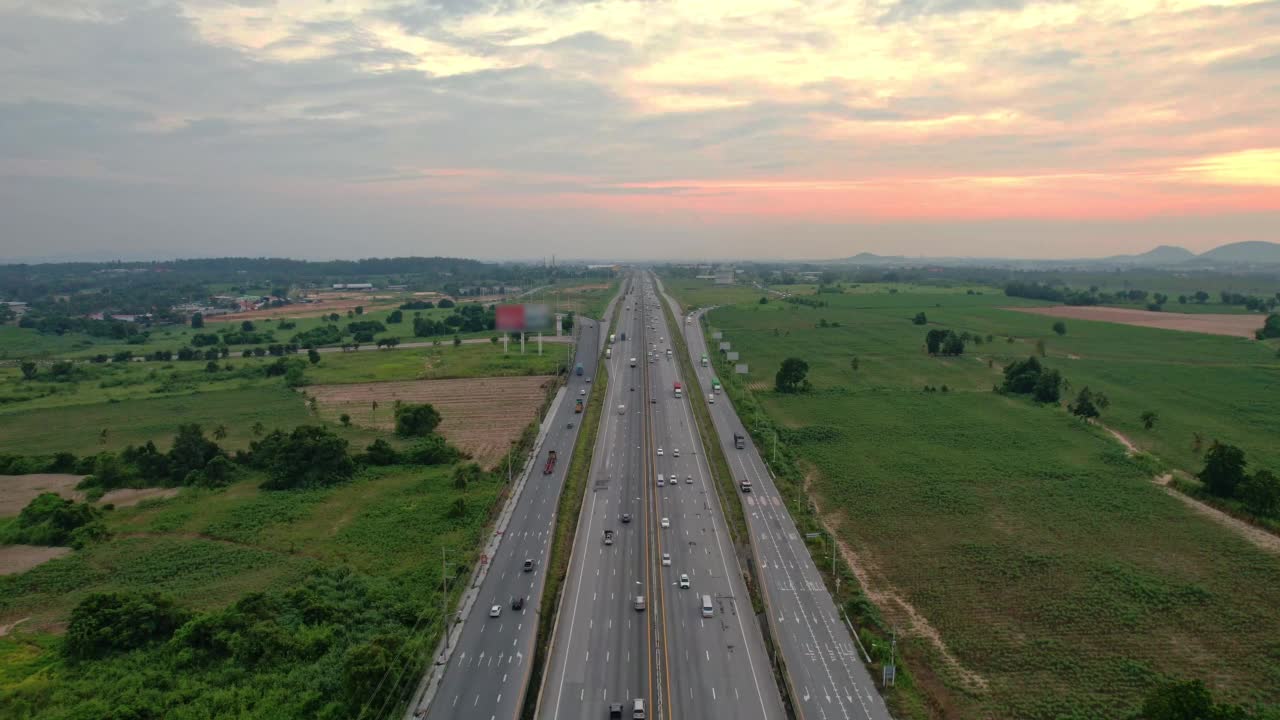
(523, 318)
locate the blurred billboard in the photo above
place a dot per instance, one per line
(523, 318)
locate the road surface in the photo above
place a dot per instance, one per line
(827, 677)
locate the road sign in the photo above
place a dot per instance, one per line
(740, 368)
(724, 346)
(731, 356)
(717, 335)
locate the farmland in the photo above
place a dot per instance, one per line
(1041, 557)
(1235, 325)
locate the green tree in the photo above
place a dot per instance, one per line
(310, 456)
(458, 509)
(50, 519)
(853, 363)
(220, 432)
(246, 326)
(1223, 469)
(191, 451)
(764, 300)
(197, 321)
(106, 623)
(28, 370)
(416, 420)
(1084, 406)
(1260, 493)
(1040, 348)
(1186, 700)
(1270, 328)
(359, 309)
(313, 356)
(1149, 419)
(395, 317)
(1060, 327)
(380, 452)
(952, 344)
(920, 319)
(257, 429)
(1201, 297)
(345, 419)
(457, 341)
(791, 376)
(1048, 387)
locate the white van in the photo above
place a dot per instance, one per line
(637, 709)
(622, 409)
(707, 609)
(661, 480)
(711, 399)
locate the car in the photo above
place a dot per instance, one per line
(638, 603)
(528, 565)
(653, 400)
(666, 523)
(675, 452)
(688, 479)
(666, 559)
(588, 381)
(583, 391)
(517, 603)
(626, 517)
(660, 480)
(659, 452)
(495, 611)
(684, 582)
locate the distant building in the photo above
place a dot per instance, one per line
(353, 286)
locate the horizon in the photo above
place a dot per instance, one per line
(692, 130)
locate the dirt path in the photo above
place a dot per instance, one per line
(1259, 537)
(888, 599)
(16, 559)
(16, 491)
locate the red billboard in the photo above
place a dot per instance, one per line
(523, 318)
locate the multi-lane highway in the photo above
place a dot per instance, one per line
(681, 661)
(600, 650)
(488, 668)
(826, 676)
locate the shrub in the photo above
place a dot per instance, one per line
(414, 420)
(106, 623)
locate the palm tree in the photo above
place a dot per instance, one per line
(220, 432)
(257, 429)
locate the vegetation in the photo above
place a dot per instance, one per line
(50, 519)
(791, 376)
(416, 420)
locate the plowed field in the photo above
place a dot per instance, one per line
(1234, 325)
(479, 415)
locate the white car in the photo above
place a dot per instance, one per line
(684, 582)
(675, 452)
(666, 559)
(688, 479)
(495, 611)
(659, 452)
(666, 523)
(583, 391)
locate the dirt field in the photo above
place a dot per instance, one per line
(479, 415)
(323, 305)
(16, 491)
(21, 558)
(1233, 325)
(126, 497)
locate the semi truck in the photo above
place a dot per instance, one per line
(551, 462)
(715, 385)
(578, 369)
(677, 389)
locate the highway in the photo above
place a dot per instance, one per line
(826, 675)
(717, 665)
(488, 671)
(599, 650)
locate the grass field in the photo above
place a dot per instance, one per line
(1044, 559)
(588, 299)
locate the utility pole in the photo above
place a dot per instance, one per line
(444, 595)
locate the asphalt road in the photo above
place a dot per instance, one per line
(488, 670)
(599, 651)
(826, 675)
(718, 667)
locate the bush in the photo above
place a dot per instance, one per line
(106, 623)
(310, 456)
(413, 420)
(50, 519)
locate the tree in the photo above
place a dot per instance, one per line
(197, 321)
(50, 519)
(1260, 493)
(920, 319)
(1223, 469)
(458, 509)
(380, 452)
(1186, 700)
(395, 317)
(1048, 387)
(220, 432)
(246, 326)
(457, 341)
(1040, 349)
(310, 456)
(359, 309)
(953, 344)
(102, 436)
(106, 623)
(413, 420)
(1201, 297)
(568, 321)
(933, 340)
(28, 370)
(1084, 406)
(1060, 327)
(191, 451)
(1270, 328)
(764, 300)
(791, 375)
(313, 355)
(1148, 418)
(211, 366)
(345, 419)
(853, 363)
(257, 429)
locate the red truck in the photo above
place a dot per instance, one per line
(577, 406)
(677, 389)
(551, 462)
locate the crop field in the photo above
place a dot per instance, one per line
(1235, 325)
(1042, 558)
(589, 299)
(482, 416)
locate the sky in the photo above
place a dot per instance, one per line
(636, 129)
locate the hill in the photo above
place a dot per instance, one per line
(1257, 252)
(1160, 255)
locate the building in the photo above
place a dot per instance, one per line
(353, 286)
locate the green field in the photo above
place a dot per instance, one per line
(583, 298)
(1048, 563)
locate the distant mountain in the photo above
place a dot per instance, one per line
(1161, 255)
(1255, 252)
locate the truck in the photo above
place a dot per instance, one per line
(633, 362)
(739, 440)
(608, 537)
(578, 370)
(577, 406)
(745, 485)
(704, 361)
(608, 353)
(715, 385)
(551, 462)
(677, 389)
